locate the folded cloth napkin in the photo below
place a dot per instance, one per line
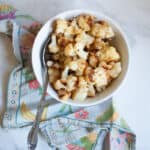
(65, 127)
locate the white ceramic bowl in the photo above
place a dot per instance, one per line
(119, 41)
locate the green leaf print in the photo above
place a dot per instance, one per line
(65, 108)
(28, 74)
(70, 109)
(25, 16)
(106, 115)
(62, 108)
(123, 124)
(86, 143)
(40, 90)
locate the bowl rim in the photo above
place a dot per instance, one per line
(86, 11)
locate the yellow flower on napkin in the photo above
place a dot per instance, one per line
(29, 115)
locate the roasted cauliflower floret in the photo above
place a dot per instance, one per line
(61, 25)
(53, 47)
(93, 60)
(69, 32)
(75, 26)
(73, 65)
(59, 85)
(100, 78)
(105, 65)
(81, 67)
(63, 41)
(58, 57)
(91, 90)
(102, 30)
(67, 61)
(79, 49)
(63, 94)
(89, 72)
(84, 38)
(72, 29)
(115, 71)
(82, 82)
(64, 73)
(80, 94)
(56, 65)
(54, 74)
(49, 63)
(71, 82)
(109, 54)
(85, 22)
(68, 84)
(69, 50)
(82, 90)
(78, 66)
(55, 57)
(99, 44)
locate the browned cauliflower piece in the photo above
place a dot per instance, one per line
(78, 66)
(105, 65)
(73, 65)
(61, 25)
(115, 71)
(102, 30)
(72, 29)
(91, 90)
(84, 38)
(81, 91)
(85, 22)
(100, 78)
(63, 94)
(56, 65)
(99, 44)
(54, 74)
(75, 26)
(69, 50)
(65, 72)
(93, 60)
(79, 50)
(58, 57)
(67, 61)
(81, 67)
(67, 82)
(109, 54)
(49, 63)
(55, 57)
(63, 41)
(53, 47)
(71, 82)
(59, 85)
(89, 72)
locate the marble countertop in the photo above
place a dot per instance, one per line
(133, 99)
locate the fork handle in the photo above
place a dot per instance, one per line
(33, 134)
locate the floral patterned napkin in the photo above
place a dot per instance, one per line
(64, 127)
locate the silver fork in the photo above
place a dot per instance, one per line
(32, 139)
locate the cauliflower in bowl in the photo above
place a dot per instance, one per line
(83, 62)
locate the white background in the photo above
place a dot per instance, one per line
(133, 99)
